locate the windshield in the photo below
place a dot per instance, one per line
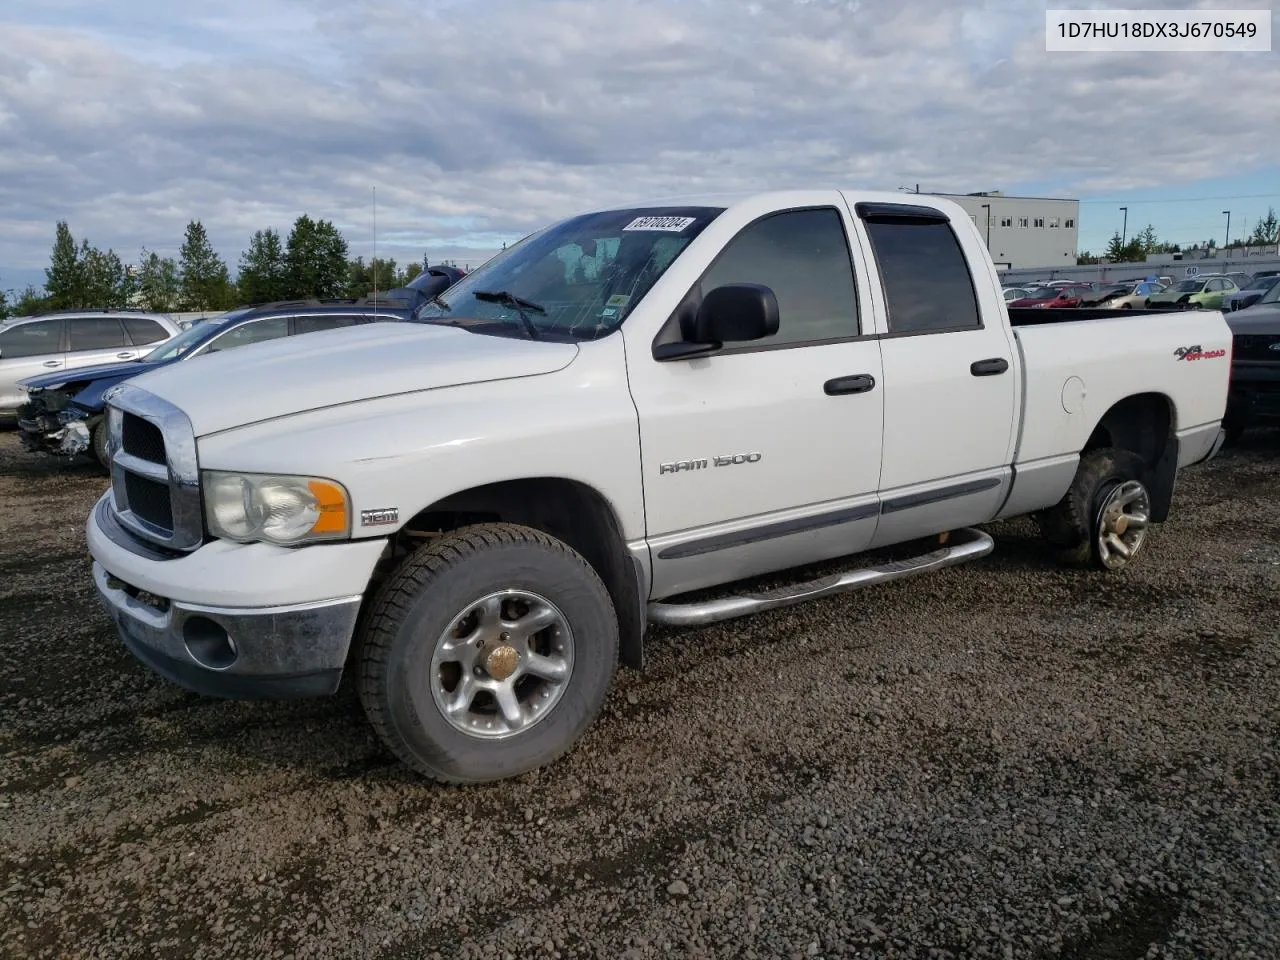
(1188, 286)
(191, 337)
(1263, 283)
(578, 279)
(1272, 295)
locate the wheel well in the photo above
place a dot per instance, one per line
(1143, 424)
(568, 510)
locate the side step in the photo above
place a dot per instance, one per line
(965, 544)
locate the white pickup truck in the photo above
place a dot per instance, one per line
(479, 512)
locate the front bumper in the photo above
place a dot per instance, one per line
(236, 621)
(65, 430)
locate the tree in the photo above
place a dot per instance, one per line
(159, 288)
(410, 272)
(64, 277)
(4, 304)
(1267, 229)
(206, 285)
(106, 280)
(381, 275)
(31, 301)
(316, 260)
(1086, 257)
(263, 271)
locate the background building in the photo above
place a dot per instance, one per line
(1024, 231)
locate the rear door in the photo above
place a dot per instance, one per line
(765, 454)
(95, 340)
(28, 349)
(950, 381)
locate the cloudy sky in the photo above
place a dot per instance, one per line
(478, 120)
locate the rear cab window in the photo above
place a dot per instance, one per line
(928, 286)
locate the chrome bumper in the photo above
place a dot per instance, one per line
(285, 652)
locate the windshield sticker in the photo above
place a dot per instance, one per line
(618, 300)
(665, 224)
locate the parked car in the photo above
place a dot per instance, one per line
(1015, 293)
(1137, 295)
(427, 285)
(63, 413)
(1101, 294)
(500, 495)
(1194, 293)
(71, 340)
(1240, 279)
(1254, 398)
(1053, 297)
(1248, 296)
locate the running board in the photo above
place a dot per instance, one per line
(962, 545)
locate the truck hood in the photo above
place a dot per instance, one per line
(292, 375)
(129, 368)
(1260, 318)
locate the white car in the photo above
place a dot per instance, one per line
(479, 512)
(71, 339)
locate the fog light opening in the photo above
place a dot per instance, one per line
(209, 643)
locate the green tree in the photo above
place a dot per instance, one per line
(107, 282)
(205, 283)
(263, 272)
(31, 301)
(378, 274)
(1267, 229)
(159, 287)
(410, 272)
(4, 304)
(1086, 257)
(64, 277)
(316, 260)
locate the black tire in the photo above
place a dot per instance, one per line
(1072, 524)
(412, 611)
(100, 444)
(1126, 306)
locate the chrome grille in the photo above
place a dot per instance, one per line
(154, 474)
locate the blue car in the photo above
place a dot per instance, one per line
(63, 414)
(1248, 296)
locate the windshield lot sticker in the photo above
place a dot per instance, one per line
(618, 300)
(665, 224)
(1198, 353)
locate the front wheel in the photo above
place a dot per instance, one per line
(1103, 520)
(100, 444)
(488, 653)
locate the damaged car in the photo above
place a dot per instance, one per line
(63, 414)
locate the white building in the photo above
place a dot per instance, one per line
(1024, 231)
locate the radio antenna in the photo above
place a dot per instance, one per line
(375, 247)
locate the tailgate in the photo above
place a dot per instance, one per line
(1075, 372)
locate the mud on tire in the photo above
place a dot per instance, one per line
(1071, 525)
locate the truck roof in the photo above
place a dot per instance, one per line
(729, 199)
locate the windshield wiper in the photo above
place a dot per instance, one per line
(509, 299)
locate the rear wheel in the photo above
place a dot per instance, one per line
(100, 444)
(487, 654)
(1103, 520)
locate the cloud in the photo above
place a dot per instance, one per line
(478, 120)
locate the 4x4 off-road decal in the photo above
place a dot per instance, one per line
(1198, 353)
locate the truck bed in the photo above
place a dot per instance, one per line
(1038, 316)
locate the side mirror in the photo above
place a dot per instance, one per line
(733, 312)
(737, 311)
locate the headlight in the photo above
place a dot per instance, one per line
(249, 507)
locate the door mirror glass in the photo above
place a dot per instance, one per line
(736, 312)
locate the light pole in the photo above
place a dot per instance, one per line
(1124, 230)
(1226, 243)
(987, 207)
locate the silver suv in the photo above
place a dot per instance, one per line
(71, 339)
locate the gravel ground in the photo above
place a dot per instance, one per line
(1002, 760)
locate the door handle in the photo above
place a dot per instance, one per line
(989, 368)
(53, 363)
(857, 383)
(124, 356)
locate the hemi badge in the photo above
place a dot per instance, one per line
(376, 518)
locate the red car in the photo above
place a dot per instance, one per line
(1054, 297)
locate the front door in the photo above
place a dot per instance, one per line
(26, 350)
(766, 454)
(951, 387)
